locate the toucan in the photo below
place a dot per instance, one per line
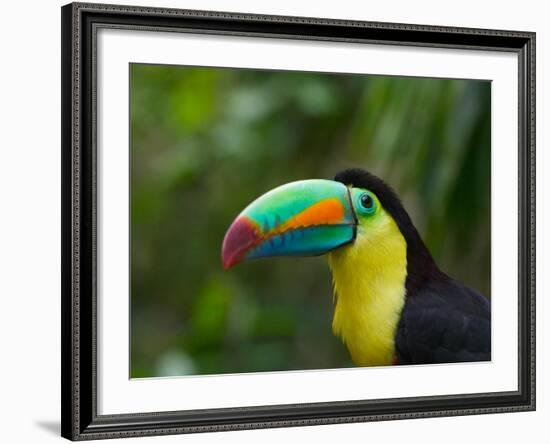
(393, 305)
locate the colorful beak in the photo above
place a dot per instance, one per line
(305, 218)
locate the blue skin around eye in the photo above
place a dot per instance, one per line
(357, 194)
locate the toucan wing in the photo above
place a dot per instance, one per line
(444, 321)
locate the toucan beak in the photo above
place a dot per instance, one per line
(305, 218)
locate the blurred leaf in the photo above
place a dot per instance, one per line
(175, 363)
(209, 312)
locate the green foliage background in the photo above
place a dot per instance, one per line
(207, 141)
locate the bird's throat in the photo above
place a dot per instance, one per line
(369, 283)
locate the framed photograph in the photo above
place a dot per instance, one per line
(280, 221)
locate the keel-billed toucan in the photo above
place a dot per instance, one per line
(392, 303)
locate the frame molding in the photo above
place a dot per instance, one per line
(79, 418)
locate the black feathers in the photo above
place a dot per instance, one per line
(442, 320)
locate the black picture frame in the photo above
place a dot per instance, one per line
(79, 170)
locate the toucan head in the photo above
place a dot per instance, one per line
(314, 217)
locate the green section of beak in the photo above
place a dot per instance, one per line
(304, 218)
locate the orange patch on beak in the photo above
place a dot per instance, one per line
(328, 211)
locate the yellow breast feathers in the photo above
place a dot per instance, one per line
(369, 283)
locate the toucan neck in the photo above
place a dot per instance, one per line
(369, 281)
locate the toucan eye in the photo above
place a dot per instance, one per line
(366, 203)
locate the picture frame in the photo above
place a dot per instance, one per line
(81, 388)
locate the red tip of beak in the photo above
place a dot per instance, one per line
(241, 236)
